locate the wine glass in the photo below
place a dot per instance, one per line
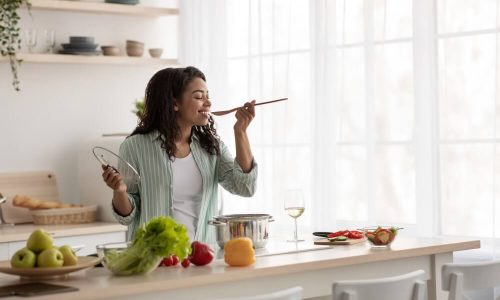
(50, 39)
(294, 207)
(31, 39)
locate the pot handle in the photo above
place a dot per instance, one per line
(216, 223)
(270, 219)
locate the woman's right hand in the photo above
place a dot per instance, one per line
(113, 179)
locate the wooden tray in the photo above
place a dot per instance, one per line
(347, 242)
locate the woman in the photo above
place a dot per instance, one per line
(181, 160)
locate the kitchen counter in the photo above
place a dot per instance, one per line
(314, 269)
(21, 232)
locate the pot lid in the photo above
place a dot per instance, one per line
(243, 216)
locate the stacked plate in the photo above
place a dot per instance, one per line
(128, 2)
(80, 45)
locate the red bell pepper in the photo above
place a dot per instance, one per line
(201, 253)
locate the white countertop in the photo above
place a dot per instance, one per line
(21, 232)
(98, 283)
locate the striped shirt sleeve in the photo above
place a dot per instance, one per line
(132, 191)
(232, 177)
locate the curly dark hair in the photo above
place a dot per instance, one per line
(163, 89)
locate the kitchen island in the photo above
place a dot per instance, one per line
(313, 269)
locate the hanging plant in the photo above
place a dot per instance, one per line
(10, 39)
(140, 106)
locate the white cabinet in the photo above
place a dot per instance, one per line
(4, 251)
(88, 241)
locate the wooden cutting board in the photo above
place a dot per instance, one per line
(40, 185)
(346, 242)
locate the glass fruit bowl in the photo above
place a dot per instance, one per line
(381, 236)
(103, 250)
(119, 265)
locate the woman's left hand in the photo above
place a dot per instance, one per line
(244, 116)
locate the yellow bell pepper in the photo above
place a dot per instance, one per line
(239, 252)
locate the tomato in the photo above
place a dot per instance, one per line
(167, 261)
(175, 260)
(338, 233)
(354, 234)
(350, 234)
(185, 263)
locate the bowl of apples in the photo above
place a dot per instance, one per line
(41, 258)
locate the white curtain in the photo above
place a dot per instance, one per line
(392, 112)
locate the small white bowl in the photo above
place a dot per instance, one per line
(155, 52)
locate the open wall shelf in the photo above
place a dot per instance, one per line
(104, 8)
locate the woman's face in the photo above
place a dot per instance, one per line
(194, 107)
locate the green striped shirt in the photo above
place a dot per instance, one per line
(153, 196)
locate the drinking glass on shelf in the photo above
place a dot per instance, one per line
(50, 39)
(294, 207)
(30, 35)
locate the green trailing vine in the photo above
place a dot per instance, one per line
(140, 105)
(10, 38)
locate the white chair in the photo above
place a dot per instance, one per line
(294, 293)
(458, 278)
(409, 286)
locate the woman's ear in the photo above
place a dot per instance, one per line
(176, 107)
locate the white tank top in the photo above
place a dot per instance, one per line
(187, 190)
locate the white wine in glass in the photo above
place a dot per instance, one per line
(294, 212)
(294, 207)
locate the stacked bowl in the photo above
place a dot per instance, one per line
(134, 48)
(80, 45)
(110, 50)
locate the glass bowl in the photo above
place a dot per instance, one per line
(104, 249)
(144, 266)
(381, 236)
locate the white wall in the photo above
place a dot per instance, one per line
(60, 106)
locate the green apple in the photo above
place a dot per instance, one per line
(50, 258)
(70, 258)
(23, 258)
(39, 240)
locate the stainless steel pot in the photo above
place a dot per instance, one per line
(254, 226)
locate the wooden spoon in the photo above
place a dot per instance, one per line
(225, 112)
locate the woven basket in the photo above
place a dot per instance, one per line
(72, 215)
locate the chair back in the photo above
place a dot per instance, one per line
(409, 286)
(294, 293)
(458, 278)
